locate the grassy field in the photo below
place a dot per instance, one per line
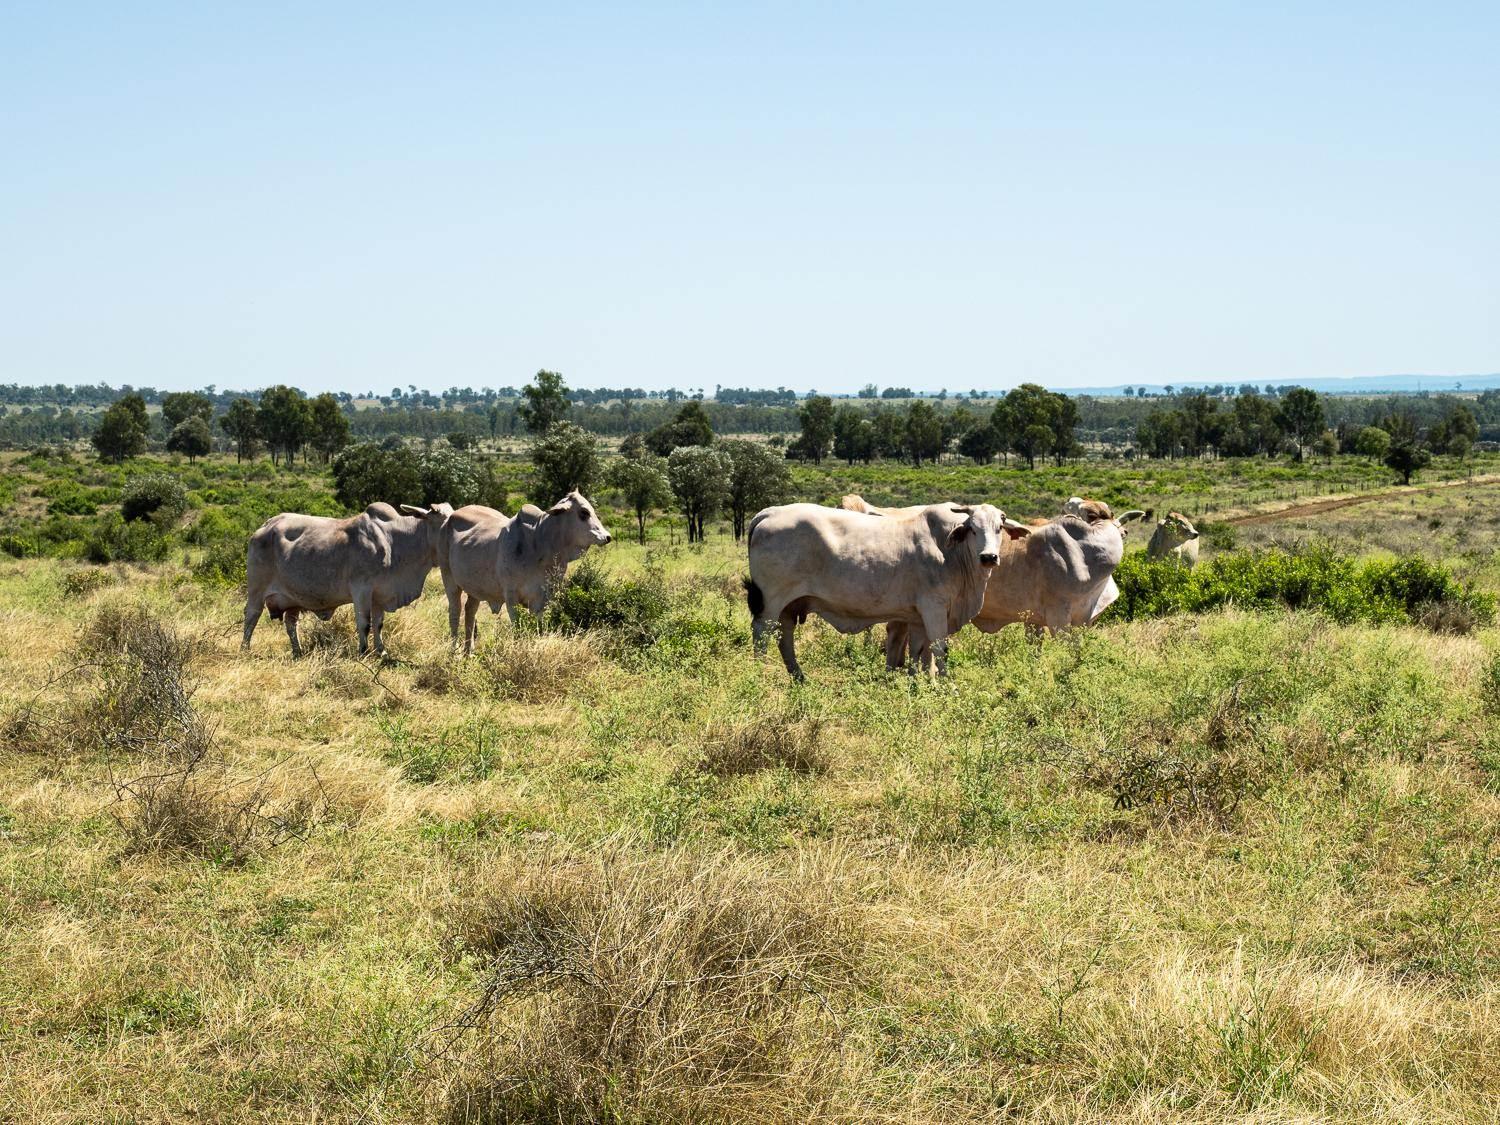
(1211, 867)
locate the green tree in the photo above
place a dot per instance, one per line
(565, 458)
(888, 429)
(240, 422)
(328, 426)
(980, 442)
(544, 403)
(853, 436)
(642, 481)
(699, 477)
(121, 433)
(758, 478)
(191, 438)
(924, 432)
(816, 416)
(691, 426)
(1301, 417)
(1372, 442)
(284, 420)
(1030, 409)
(367, 473)
(179, 407)
(1406, 455)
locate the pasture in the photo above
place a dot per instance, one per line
(1233, 865)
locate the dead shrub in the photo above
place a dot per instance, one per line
(652, 988)
(1450, 618)
(1192, 774)
(137, 688)
(534, 668)
(86, 580)
(777, 740)
(194, 807)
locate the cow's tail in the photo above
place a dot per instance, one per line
(755, 597)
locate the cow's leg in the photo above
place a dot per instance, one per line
(455, 597)
(759, 627)
(255, 605)
(897, 635)
(935, 624)
(471, 627)
(290, 617)
(362, 625)
(377, 619)
(787, 643)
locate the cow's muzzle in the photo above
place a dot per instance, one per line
(989, 558)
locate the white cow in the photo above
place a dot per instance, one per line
(377, 560)
(515, 562)
(1174, 538)
(856, 570)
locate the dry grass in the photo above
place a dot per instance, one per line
(781, 740)
(532, 668)
(671, 988)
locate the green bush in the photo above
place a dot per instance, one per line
(223, 562)
(113, 539)
(1378, 590)
(73, 503)
(590, 599)
(155, 496)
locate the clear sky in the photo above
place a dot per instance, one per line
(353, 196)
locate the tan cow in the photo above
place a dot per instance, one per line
(1058, 577)
(377, 560)
(1174, 538)
(856, 570)
(515, 562)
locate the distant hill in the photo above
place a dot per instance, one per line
(1359, 385)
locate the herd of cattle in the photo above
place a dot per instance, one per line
(924, 571)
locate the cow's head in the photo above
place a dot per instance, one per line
(432, 519)
(983, 530)
(1177, 529)
(581, 522)
(1095, 512)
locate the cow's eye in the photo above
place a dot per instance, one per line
(584, 516)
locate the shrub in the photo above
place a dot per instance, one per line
(1376, 590)
(158, 497)
(780, 739)
(72, 504)
(86, 580)
(223, 563)
(663, 988)
(633, 608)
(1219, 536)
(112, 539)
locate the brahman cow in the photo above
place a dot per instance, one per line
(515, 562)
(1174, 538)
(1059, 576)
(378, 560)
(856, 570)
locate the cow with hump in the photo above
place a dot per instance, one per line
(1059, 576)
(856, 570)
(493, 558)
(378, 561)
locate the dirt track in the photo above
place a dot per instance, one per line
(1316, 507)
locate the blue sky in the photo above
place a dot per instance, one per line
(362, 196)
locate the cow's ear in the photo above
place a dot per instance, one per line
(413, 510)
(959, 533)
(1016, 530)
